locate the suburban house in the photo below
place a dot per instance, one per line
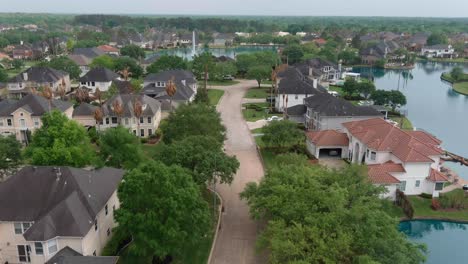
(109, 50)
(37, 77)
(405, 160)
(143, 126)
(322, 70)
(439, 51)
(186, 87)
(69, 256)
(150, 60)
(221, 39)
(22, 117)
(90, 53)
(46, 209)
(84, 115)
(23, 51)
(98, 77)
(82, 61)
(384, 50)
(417, 41)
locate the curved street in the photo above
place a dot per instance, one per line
(238, 233)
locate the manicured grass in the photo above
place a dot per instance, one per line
(391, 209)
(214, 96)
(406, 122)
(422, 208)
(269, 158)
(218, 83)
(461, 87)
(257, 92)
(253, 115)
(337, 89)
(150, 150)
(257, 130)
(458, 60)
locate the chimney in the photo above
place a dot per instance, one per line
(315, 83)
(21, 43)
(184, 82)
(25, 76)
(58, 173)
(310, 71)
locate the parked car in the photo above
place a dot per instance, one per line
(465, 187)
(274, 118)
(228, 77)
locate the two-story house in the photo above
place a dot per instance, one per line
(384, 50)
(98, 77)
(322, 70)
(143, 125)
(35, 78)
(22, 117)
(397, 159)
(46, 209)
(185, 82)
(439, 51)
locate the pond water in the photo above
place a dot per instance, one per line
(432, 105)
(187, 53)
(445, 241)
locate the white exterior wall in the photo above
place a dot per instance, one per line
(415, 172)
(293, 100)
(103, 86)
(391, 192)
(132, 124)
(311, 148)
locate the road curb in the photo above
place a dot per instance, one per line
(218, 225)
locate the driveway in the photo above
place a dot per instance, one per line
(238, 232)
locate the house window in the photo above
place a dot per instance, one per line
(83, 83)
(367, 153)
(107, 120)
(38, 247)
(95, 225)
(9, 123)
(439, 186)
(36, 122)
(93, 84)
(52, 246)
(142, 132)
(24, 252)
(141, 120)
(149, 119)
(114, 120)
(150, 132)
(373, 154)
(20, 228)
(126, 121)
(106, 209)
(402, 186)
(418, 182)
(22, 122)
(108, 232)
(134, 132)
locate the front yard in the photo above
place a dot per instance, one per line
(257, 93)
(214, 96)
(201, 83)
(403, 122)
(257, 111)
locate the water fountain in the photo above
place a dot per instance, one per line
(194, 46)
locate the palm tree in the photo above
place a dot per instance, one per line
(118, 110)
(60, 92)
(48, 94)
(273, 85)
(137, 111)
(125, 73)
(98, 116)
(171, 89)
(98, 96)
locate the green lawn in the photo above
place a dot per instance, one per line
(392, 209)
(27, 64)
(151, 150)
(337, 89)
(422, 208)
(253, 115)
(214, 96)
(461, 87)
(406, 122)
(257, 92)
(218, 83)
(257, 130)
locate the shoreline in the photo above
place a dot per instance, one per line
(432, 218)
(443, 77)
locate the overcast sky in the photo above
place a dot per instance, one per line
(415, 8)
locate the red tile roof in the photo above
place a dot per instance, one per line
(379, 135)
(381, 173)
(437, 176)
(328, 138)
(108, 48)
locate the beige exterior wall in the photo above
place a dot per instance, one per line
(87, 121)
(54, 86)
(132, 124)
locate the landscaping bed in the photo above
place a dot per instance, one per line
(256, 92)
(257, 111)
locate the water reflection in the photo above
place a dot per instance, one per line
(421, 228)
(187, 53)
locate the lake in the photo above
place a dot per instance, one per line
(228, 52)
(446, 241)
(432, 105)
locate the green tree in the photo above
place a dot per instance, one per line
(4, 42)
(380, 97)
(365, 88)
(70, 44)
(3, 75)
(126, 62)
(203, 156)
(201, 63)
(293, 54)
(397, 99)
(244, 61)
(457, 73)
(222, 69)
(167, 62)
(192, 120)
(356, 41)
(105, 61)
(201, 97)
(10, 152)
(350, 86)
(381, 63)
(120, 149)
(60, 142)
(163, 210)
(436, 39)
(317, 215)
(259, 73)
(133, 51)
(65, 64)
(282, 135)
(17, 64)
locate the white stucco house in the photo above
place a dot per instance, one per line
(46, 210)
(397, 159)
(439, 51)
(293, 88)
(98, 77)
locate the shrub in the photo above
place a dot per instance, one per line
(435, 205)
(425, 196)
(116, 243)
(454, 200)
(93, 135)
(403, 201)
(144, 140)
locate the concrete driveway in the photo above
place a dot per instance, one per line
(237, 237)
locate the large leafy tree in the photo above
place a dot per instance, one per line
(350, 86)
(259, 73)
(105, 61)
(282, 135)
(394, 98)
(192, 120)
(203, 156)
(365, 88)
(60, 142)
(457, 73)
(10, 152)
(133, 51)
(65, 64)
(201, 63)
(317, 215)
(293, 54)
(437, 38)
(123, 63)
(121, 149)
(3, 75)
(167, 62)
(163, 210)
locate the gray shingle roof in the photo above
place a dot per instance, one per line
(88, 52)
(293, 82)
(183, 92)
(35, 104)
(329, 105)
(124, 87)
(39, 75)
(59, 205)
(84, 109)
(69, 256)
(99, 74)
(127, 101)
